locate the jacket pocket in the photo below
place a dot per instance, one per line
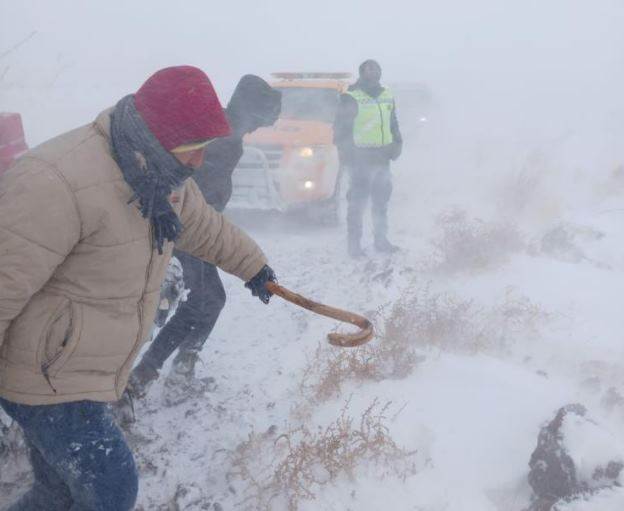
(59, 338)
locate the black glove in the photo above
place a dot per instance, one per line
(394, 150)
(257, 284)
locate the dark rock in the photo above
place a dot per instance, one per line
(552, 469)
(553, 475)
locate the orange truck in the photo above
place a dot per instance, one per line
(293, 165)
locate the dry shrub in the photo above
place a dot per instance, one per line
(449, 323)
(516, 318)
(418, 319)
(392, 355)
(330, 368)
(421, 319)
(279, 472)
(424, 317)
(472, 244)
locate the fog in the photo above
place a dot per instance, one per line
(522, 67)
(502, 305)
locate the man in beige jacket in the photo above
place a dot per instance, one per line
(88, 221)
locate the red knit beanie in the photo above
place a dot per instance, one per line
(180, 106)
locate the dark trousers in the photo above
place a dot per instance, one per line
(195, 318)
(374, 181)
(80, 459)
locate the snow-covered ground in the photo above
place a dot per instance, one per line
(503, 306)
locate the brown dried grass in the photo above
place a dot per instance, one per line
(421, 320)
(471, 244)
(282, 471)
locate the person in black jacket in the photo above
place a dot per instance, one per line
(367, 135)
(253, 104)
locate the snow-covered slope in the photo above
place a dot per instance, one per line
(503, 305)
(498, 322)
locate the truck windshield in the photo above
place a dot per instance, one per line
(309, 104)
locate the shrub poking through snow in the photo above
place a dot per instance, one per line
(281, 471)
(473, 244)
(425, 318)
(421, 319)
(514, 319)
(329, 369)
(392, 356)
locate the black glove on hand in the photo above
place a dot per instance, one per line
(257, 284)
(394, 150)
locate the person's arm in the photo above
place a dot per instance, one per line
(397, 138)
(343, 128)
(209, 236)
(39, 226)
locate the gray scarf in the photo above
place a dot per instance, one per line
(150, 170)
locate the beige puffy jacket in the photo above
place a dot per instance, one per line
(79, 279)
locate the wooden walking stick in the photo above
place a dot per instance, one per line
(343, 340)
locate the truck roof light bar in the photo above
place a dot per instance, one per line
(302, 76)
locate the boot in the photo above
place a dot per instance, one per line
(123, 410)
(181, 383)
(141, 380)
(184, 363)
(139, 383)
(355, 249)
(383, 245)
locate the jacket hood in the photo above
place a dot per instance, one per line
(253, 104)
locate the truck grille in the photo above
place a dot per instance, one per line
(253, 183)
(252, 160)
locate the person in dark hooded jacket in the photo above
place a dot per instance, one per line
(253, 104)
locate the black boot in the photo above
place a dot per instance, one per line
(181, 383)
(383, 245)
(184, 364)
(141, 380)
(123, 410)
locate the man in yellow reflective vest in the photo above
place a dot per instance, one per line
(366, 132)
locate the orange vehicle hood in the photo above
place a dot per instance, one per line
(293, 132)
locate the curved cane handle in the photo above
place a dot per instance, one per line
(343, 340)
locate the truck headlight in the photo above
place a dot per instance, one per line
(306, 152)
(309, 185)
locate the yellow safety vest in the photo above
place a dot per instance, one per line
(371, 127)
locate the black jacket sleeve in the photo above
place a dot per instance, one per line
(343, 128)
(397, 138)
